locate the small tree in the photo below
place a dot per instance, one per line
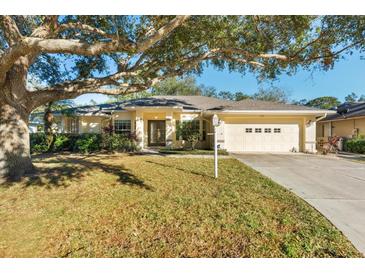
(188, 133)
(324, 102)
(351, 98)
(273, 94)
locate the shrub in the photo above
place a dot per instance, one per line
(356, 145)
(38, 142)
(119, 142)
(87, 143)
(61, 143)
(188, 133)
(84, 143)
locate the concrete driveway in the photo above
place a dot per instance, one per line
(334, 186)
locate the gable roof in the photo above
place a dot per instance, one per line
(193, 103)
(347, 110)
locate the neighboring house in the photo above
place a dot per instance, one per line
(349, 122)
(247, 125)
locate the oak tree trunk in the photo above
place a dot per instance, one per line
(15, 158)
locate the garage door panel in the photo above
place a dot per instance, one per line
(262, 137)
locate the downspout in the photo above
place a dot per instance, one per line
(321, 118)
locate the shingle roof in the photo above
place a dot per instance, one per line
(203, 103)
(348, 110)
(211, 103)
(250, 104)
(186, 102)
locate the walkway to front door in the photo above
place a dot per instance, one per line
(156, 133)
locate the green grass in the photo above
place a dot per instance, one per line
(150, 206)
(191, 152)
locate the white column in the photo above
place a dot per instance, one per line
(310, 136)
(139, 129)
(63, 125)
(169, 129)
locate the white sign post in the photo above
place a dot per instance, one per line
(215, 125)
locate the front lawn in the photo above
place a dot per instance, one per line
(150, 206)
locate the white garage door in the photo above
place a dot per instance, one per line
(262, 137)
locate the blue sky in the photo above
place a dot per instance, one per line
(347, 76)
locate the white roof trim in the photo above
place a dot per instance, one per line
(149, 107)
(277, 112)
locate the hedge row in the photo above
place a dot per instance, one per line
(355, 145)
(83, 143)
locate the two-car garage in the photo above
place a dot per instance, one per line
(262, 137)
(256, 134)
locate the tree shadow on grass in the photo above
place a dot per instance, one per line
(181, 169)
(62, 171)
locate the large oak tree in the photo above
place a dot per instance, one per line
(74, 55)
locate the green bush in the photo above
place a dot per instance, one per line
(188, 132)
(84, 143)
(61, 143)
(38, 142)
(87, 143)
(118, 142)
(356, 145)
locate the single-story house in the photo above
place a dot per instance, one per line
(246, 126)
(348, 122)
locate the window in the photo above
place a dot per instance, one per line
(277, 130)
(258, 130)
(195, 125)
(248, 130)
(72, 125)
(267, 130)
(122, 126)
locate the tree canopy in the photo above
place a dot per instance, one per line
(351, 98)
(324, 102)
(273, 94)
(174, 86)
(73, 55)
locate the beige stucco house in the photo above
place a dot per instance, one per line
(348, 122)
(246, 126)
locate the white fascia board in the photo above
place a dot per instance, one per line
(343, 119)
(274, 112)
(144, 107)
(191, 110)
(119, 110)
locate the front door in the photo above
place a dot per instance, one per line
(156, 133)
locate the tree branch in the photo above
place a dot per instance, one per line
(86, 28)
(35, 45)
(47, 29)
(334, 54)
(73, 89)
(8, 58)
(161, 33)
(11, 31)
